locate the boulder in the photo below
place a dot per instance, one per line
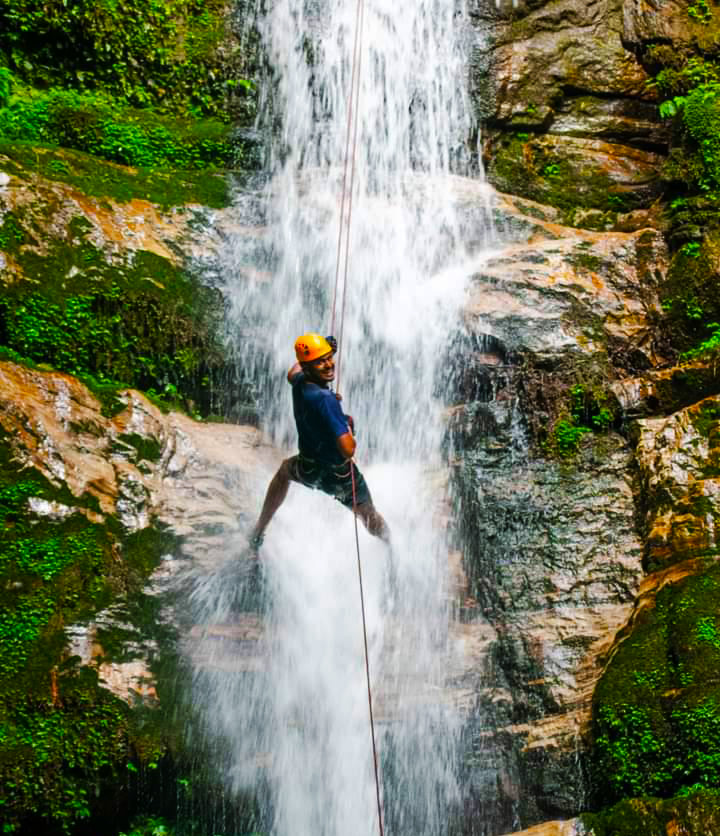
(679, 461)
(574, 174)
(540, 52)
(570, 118)
(567, 290)
(648, 22)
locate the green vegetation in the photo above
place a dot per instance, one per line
(589, 412)
(100, 179)
(707, 349)
(62, 737)
(531, 165)
(169, 54)
(656, 710)
(143, 323)
(700, 11)
(697, 811)
(100, 125)
(149, 826)
(690, 88)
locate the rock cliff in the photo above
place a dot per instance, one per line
(623, 703)
(582, 433)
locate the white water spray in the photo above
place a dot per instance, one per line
(296, 720)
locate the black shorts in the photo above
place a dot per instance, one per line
(335, 480)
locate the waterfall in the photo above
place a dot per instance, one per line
(292, 714)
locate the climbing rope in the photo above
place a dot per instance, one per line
(348, 188)
(347, 197)
(367, 655)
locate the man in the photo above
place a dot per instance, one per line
(325, 440)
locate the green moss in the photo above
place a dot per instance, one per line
(696, 814)
(588, 410)
(64, 740)
(142, 323)
(656, 709)
(706, 417)
(101, 179)
(532, 168)
(105, 128)
(12, 234)
(57, 755)
(176, 54)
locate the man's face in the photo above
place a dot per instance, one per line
(322, 370)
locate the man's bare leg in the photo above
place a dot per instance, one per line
(373, 521)
(274, 498)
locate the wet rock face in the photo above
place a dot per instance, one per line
(98, 504)
(551, 551)
(554, 567)
(569, 118)
(679, 461)
(657, 21)
(563, 290)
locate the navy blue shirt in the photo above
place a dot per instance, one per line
(319, 420)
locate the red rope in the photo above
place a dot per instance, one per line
(367, 655)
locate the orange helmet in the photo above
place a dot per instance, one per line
(311, 346)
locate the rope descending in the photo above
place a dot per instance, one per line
(344, 226)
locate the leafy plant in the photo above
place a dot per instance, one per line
(149, 826)
(6, 84)
(551, 170)
(700, 11)
(567, 436)
(691, 249)
(99, 125)
(707, 348)
(149, 52)
(671, 107)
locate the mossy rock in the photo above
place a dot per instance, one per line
(697, 814)
(690, 293)
(656, 709)
(137, 320)
(561, 172)
(65, 741)
(102, 179)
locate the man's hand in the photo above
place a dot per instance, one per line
(296, 369)
(351, 423)
(332, 342)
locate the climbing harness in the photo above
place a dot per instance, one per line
(344, 226)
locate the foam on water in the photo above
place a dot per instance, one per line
(294, 719)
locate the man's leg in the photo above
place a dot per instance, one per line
(274, 498)
(373, 520)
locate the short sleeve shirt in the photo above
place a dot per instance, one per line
(319, 419)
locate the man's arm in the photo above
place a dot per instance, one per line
(296, 369)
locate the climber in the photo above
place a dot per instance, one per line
(325, 439)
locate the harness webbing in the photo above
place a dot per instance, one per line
(348, 188)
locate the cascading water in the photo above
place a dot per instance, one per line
(294, 718)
